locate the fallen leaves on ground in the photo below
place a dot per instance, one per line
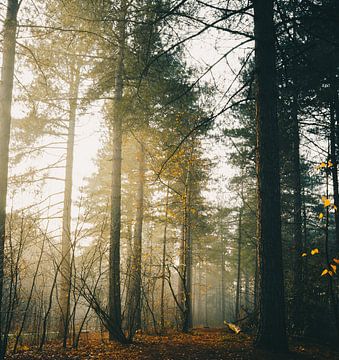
(201, 344)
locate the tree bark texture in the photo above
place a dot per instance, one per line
(271, 327)
(134, 303)
(6, 90)
(114, 255)
(297, 314)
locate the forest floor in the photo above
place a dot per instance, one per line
(201, 344)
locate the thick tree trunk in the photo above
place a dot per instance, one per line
(271, 328)
(114, 306)
(65, 288)
(6, 89)
(134, 305)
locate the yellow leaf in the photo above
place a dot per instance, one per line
(329, 164)
(303, 254)
(334, 208)
(336, 260)
(322, 165)
(327, 202)
(321, 215)
(330, 273)
(325, 271)
(314, 251)
(334, 268)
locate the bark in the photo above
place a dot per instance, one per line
(206, 297)
(66, 244)
(163, 267)
(185, 265)
(222, 277)
(271, 327)
(188, 261)
(199, 295)
(238, 290)
(134, 305)
(334, 143)
(181, 267)
(6, 89)
(297, 219)
(114, 254)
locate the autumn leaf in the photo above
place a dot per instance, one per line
(325, 271)
(334, 268)
(325, 201)
(303, 254)
(336, 260)
(24, 348)
(329, 164)
(321, 215)
(315, 251)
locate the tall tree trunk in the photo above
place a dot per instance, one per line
(334, 133)
(271, 328)
(163, 266)
(181, 266)
(297, 314)
(206, 296)
(222, 270)
(6, 89)
(134, 306)
(66, 244)
(188, 261)
(199, 296)
(238, 290)
(114, 305)
(185, 268)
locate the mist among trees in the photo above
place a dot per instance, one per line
(169, 179)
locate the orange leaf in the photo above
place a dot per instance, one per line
(325, 271)
(334, 268)
(314, 251)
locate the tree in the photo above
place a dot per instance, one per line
(271, 328)
(6, 88)
(114, 258)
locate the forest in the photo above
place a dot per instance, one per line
(169, 179)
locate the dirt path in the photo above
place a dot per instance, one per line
(200, 345)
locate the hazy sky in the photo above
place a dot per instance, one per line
(201, 53)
